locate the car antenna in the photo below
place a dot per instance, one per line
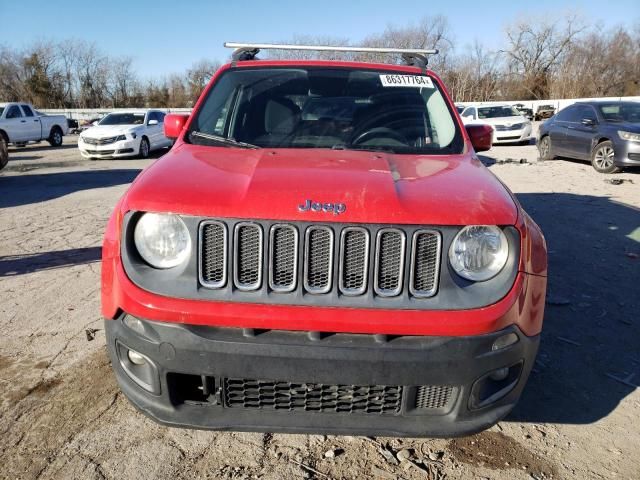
(417, 57)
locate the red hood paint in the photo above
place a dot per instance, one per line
(271, 183)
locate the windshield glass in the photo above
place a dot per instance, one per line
(123, 119)
(621, 112)
(497, 112)
(1, 110)
(318, 107)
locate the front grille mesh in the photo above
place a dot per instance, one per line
(424, 269)
(389, 260)
(354, 258)
(433, 396)
(283, 257)
(213, 263)
(312, 397)
(248, 256)
(319, 259)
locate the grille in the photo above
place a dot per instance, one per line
(505, 128)
(99, 141)
(312, 397)
(425, 254)
(301, 258)
(433, 396)
(509, 138)
(319, 259)
(213, 259)
(389, 262)
(100, 152)
(634, 156)
(283, 258)
(248, 256)
(354, 260)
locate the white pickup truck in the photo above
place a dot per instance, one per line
(20, 123)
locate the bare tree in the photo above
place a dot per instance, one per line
(198, 76)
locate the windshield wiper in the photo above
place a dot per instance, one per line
(222, 140)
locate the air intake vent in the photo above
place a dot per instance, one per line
(354, 260)
(283, 258)
(248, 256)
(213, 256)
(433, 396)
(425, 253)
(390, 251)
(318, 259)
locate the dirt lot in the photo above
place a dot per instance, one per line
(62, 416)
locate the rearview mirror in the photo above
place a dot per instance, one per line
(588, 122)
(174, 123)
(481, 137)
(152, 122)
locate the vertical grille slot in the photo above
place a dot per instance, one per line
(213, 254)
(433, 396)
(318, 264)
(283, 258)
(425, 263)
(354, 260)
(247, 273)
(389, 266)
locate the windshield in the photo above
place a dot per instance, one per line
(1, 110)
(326, 108)
(621, 112)
(123, 119)
(497, 112)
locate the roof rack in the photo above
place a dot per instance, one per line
(412, 56)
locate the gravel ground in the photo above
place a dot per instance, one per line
(62, 416)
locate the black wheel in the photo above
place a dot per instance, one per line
(603, 157)
(544, 147)
(4, 153)
(55, 137)
(143, 152)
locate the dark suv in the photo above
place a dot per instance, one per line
(606, 133)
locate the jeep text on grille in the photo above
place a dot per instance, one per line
(322, 251)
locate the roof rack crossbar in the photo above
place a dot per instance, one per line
(248, 51)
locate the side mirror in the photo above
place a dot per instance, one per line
(481, 137)
(152, 122)
(588, 122)
(174, 123)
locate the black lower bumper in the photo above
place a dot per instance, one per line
(305, 382)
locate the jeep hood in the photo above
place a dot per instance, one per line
(272, 183)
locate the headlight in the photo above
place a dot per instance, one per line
(162, 240)
(479, 252)
(119, 138)
(634, 137)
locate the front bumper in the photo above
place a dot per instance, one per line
(299, 382)
(627, 153)
(512, 136)
(120, 149)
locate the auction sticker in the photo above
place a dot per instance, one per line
(405, 81)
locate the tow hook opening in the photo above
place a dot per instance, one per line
(139, 368)
(494, 385)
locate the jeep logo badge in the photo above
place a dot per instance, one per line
(336, 208)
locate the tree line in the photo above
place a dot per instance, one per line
(541, 58)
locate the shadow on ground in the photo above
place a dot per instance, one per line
(13, 265)
(589, 358)
(27, 189)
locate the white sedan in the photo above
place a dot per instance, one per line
(509, 126)
(125, 134)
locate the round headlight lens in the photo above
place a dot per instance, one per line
(479, 252)
(162, 240)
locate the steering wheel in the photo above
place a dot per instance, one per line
(378, 133)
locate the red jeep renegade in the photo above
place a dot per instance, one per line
(322, 251)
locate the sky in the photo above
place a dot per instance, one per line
(165, 37)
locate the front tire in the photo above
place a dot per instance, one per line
(55, 137)
(603, 158)
(544, 147)
(143, 151)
